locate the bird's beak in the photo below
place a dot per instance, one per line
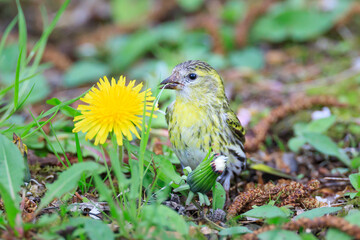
(170, 83)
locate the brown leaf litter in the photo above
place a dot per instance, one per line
(285, 192)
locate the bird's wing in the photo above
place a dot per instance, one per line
(235, 126)
(169, 110)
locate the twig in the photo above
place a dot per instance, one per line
(243, 27)
(293, 106)
(203, 215)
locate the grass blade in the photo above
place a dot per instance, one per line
(47, 140)
(6, 33)
(22, 33)
(17, 81)
(39, 47)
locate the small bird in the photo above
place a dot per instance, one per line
(200, 118)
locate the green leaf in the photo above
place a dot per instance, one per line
(129, 11)
(11, 178)
(335, 234)
(352, 195)
(234, 231)
(190, 5)
(296, 143)
(250, 57)
(322, 143)
(233, 10)
(17, 81)
(11, 168)
(355, 162)
(164, 217)
(68, 180)
(132, 48)
(219, 196)
(46, 219)
(11, 207)
(267, 169)
(355, 181)
(326, 146)
(318, 212)
(166, 172)
(321, 125)
(353, 217)
(307, 236)
(299, 128)
(296, 23)
(6, 34)
(96, 229)
(278, 234)
(85, 72)
(265, 211)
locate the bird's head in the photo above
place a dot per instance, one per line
(194, 79)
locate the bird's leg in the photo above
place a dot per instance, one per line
(226, 185)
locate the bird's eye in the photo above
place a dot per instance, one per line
(192, 76)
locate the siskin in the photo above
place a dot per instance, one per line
(200, 118)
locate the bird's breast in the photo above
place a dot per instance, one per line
(193, 130)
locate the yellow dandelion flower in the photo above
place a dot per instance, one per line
(114, 108)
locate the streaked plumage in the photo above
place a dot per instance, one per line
(200, 118)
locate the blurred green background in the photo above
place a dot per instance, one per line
(266, 51)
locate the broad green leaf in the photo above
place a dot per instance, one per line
(296, 143)
(94, 229)
(355, 162)
(322, 143)
(307, 236)
(279, 234)
(326, 146)
(85, 72)
(321, 125)
(352, 195)
(190, 5)
(335, 234)
(97, 229)
(11, 207)
(129, 11)
(219, 196)
(318, 212)
(165, 218)
(353, 217)
(250, 57)
(132, 49)
(68, 180)
(12, 168)
(299, 128)
(296, 23)
(233, 10)
(234, 231)
(265, 211)
(355, 181)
